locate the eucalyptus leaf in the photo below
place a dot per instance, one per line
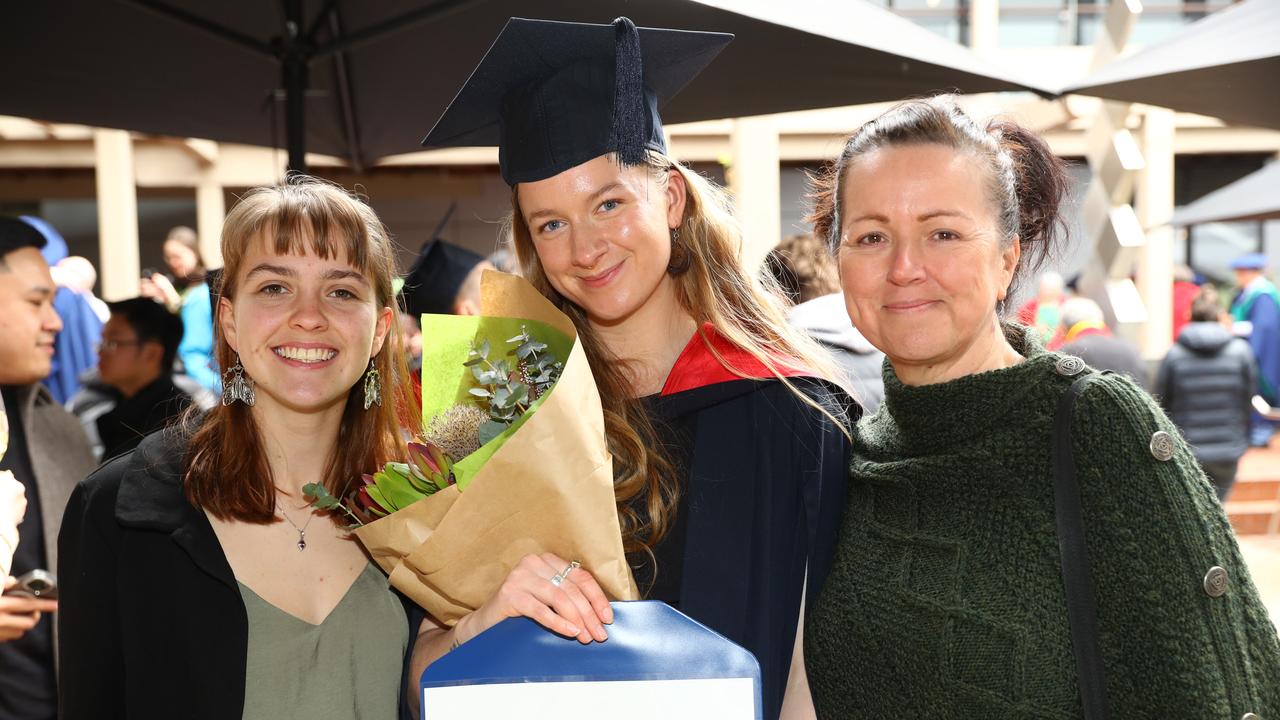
(480, 392)
(484, 349)
(520, 394)
(491, 429)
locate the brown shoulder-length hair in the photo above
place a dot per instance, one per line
(226, 471)
(714, 286)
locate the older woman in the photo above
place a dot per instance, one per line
(946, 598)
(197, 581)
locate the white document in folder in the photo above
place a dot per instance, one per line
(728, 698)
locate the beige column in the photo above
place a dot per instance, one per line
(756, 187)
(984, 25)
(1112, 227)
(117, 214)
(211, 208)
(1154, 207)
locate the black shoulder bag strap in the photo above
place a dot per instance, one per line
(1077, 576)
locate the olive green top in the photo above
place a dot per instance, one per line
(346, 668)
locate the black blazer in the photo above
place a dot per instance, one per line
(151, 620)
(150, 617)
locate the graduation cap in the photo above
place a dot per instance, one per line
(553, 95)
(432, 284)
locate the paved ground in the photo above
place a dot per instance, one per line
(1262, 553)
(1261, 462)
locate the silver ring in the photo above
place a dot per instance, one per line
(560, 577)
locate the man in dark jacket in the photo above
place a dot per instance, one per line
(1205, 384)
(47, 453)
(135, 359)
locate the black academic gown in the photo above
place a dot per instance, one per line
(763, 492)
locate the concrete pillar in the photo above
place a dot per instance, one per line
(117, 214)
(984, 25)
(1112, 227)
(1154, 207)
(211, 208)
(756, 187)
(1117, 26)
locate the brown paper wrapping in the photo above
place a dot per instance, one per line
(549, 488)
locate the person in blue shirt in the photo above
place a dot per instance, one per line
(188, 295)
(1256, 312)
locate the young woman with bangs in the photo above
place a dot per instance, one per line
(729, 442)
(197, 581)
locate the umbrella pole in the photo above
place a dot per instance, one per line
(294, 66)
(295, 87)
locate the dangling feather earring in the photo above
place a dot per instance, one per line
(236, 385)
(372, 387)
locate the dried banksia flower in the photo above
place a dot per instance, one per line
(457, 430)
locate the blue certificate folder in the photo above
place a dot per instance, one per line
(656, 660)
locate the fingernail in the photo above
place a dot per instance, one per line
(573, 630)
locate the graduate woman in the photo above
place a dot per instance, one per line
(729, 455)
(197, 581)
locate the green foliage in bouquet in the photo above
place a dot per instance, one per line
(510, 387)
(397, 485)
(508, 365)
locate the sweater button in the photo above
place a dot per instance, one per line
(1215, 583)
(1069, 365)
(1163, 446)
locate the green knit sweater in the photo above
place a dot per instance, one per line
(945, 599)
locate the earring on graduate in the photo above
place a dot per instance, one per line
(372, 387)
(680, 258)
(236, 385)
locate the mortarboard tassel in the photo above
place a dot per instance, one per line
(629, 110)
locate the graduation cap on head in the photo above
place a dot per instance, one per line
(436, 276)
(553, 95)
(432, 284)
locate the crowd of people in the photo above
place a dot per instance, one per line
(851, 461)
(1225, 353)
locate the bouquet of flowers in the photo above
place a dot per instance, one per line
(514, 460)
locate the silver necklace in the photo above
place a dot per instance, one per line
(302, 531)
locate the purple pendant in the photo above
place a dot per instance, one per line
(302, 543)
